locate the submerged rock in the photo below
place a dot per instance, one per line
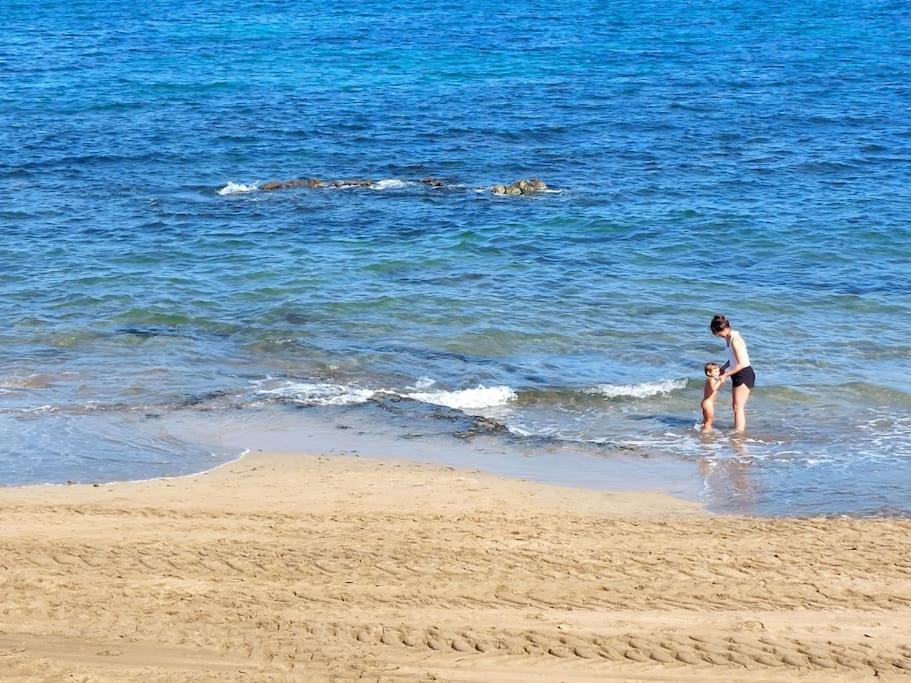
(432, 181)
(481, 425)
(520, 187)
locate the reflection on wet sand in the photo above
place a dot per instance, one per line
(729, 480)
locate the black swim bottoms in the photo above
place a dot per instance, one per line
(745, 376)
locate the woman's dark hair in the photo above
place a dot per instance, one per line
(719, 323)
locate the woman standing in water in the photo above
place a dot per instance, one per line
(738, 368)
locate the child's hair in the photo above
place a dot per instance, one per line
(719, 323)
(711, 366)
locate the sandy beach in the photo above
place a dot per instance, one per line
(295, 567)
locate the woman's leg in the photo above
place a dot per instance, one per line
(740, 396)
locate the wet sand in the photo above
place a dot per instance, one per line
(293, 567)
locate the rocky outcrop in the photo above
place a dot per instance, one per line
(481, 425)
(293, 183)
(520, 187)
(357, 182)
(314, 183)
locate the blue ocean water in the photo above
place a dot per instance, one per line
(745, 158)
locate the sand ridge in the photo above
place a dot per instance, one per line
(292, 567)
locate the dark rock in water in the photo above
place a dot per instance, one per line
(357, 182)
(149, 332)
(136, 332)
(523, 186)
(385, 399)
(297, 318)
(293, 183)
(520, 187)
(485, 424)
(481, 425)
(306, 182)
(198, 400)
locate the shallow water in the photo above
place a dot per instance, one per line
(728, 158)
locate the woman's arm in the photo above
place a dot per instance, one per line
(738, 345)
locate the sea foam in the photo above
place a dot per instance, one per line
(321, 394)
(644, 390)
(389, 184)
(327, 394)
(467, 399)
(238, 188)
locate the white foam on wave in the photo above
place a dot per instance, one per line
(328, 394)
(321, 394)
(389, 184)
(522, 430)
(422, 383)
(886, 435)
(238, 188)
(467, 399)
(644, 390)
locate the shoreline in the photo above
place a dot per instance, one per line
(727, 482)
(303, 567)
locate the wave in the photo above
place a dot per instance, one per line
(329, 394)
(38, 380)
(238, 188)
(476, 398)
(873, 394)
(321, 394)
(390, 184)
(645, 390)
(467, 399)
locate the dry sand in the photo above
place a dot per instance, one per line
(313, 568)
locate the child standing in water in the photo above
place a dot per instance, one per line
(713, 382)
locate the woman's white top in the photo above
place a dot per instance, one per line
(732, 360)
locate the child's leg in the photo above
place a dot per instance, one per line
(708, 415)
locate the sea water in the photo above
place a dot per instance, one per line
(747, 158)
